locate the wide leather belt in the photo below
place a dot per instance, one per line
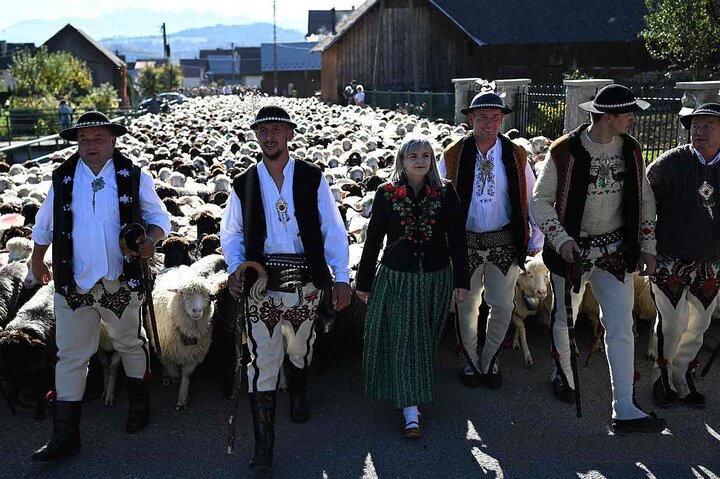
(598, 241)
(490, 239)
(287, 272)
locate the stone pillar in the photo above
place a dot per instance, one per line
(465, 89)
(576, 92)
(695, 93)
(512, 88)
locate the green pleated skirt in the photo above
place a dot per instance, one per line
(404, 323)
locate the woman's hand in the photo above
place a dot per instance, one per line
(364, 296)
(461, 295)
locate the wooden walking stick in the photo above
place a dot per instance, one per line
(573, 278)
(130, 236)
(257, 290)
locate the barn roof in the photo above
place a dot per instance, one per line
(69, 29)
(492, 22)
(298, 56)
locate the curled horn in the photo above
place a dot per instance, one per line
(258, 289)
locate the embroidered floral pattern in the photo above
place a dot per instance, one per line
(76, 300)
(607, 175)
(270, 314)
(672, 277)
(613, 263)
(115, 302)
(647, 231)
(552, 228)
(417, 218)
(706, 283)
(503, 257)
(475, 259)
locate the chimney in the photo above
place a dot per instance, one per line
(333, 20)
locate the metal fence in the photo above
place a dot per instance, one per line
(435, 106)
(540, 110)
(657, 127)
(25, 123)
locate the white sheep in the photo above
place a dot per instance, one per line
(184, 308)
(533, 296)
(19, 248)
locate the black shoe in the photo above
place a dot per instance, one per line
(563, 392)
(694, 399)
(492, 380)
(297, 387)
(663, 398)
(138, 391)
(262, 406)
(65, 439)
(469, 377)
(650, 424)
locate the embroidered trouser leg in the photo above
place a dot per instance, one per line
(278, 316)
(493, 272)
(615, 298)
(78, 334)
(685, 295)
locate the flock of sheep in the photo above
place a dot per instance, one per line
(193, 152)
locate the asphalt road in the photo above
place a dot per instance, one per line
(520, 431)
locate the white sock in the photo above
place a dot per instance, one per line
(411, 414)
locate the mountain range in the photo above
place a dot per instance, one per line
(136, 32)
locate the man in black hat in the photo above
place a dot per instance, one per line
(93, 194)
(686, 183)
(283, 215)
(495, 183)
(594, 204)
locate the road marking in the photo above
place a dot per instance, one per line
(708, 472)
(486, 462)
(591, 475)
(369, 469)
(712, 432)
(642, 466)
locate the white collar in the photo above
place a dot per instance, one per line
(715, 159)
(86, 169)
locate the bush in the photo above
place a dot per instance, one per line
(547, 117)
(103, 98)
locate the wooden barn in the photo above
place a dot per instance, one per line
(105, 66)
(421, 45)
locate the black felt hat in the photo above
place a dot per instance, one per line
(486, 100)
(709, 109)
(92, 119)
(272, 113)
(615, 99)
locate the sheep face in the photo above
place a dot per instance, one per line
(196, 304)
(534, 282)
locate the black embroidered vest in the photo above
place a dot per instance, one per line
(306, 181)
(127, 176)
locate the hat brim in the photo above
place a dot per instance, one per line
(686, 119)
(639, 105)
(254, 125)
(504, 109)
(70, 134)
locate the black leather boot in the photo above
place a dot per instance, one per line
(262, 406)
(138, 392)
(65, 439)
(297, 387)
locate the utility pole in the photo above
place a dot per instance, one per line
(166, 57)
(275, 80)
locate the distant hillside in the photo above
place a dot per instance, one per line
(188, 43)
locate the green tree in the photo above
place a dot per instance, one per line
(47, 74)
(685, 33)
(102, 98)
(154, 80)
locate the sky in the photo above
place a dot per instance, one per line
(290, 13)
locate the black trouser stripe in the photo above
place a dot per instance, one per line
(248, 324)
(661, 347)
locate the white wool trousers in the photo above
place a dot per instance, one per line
(615, 298)
(280, 323)
(499, 289)
(78, 334)
(684, 314)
